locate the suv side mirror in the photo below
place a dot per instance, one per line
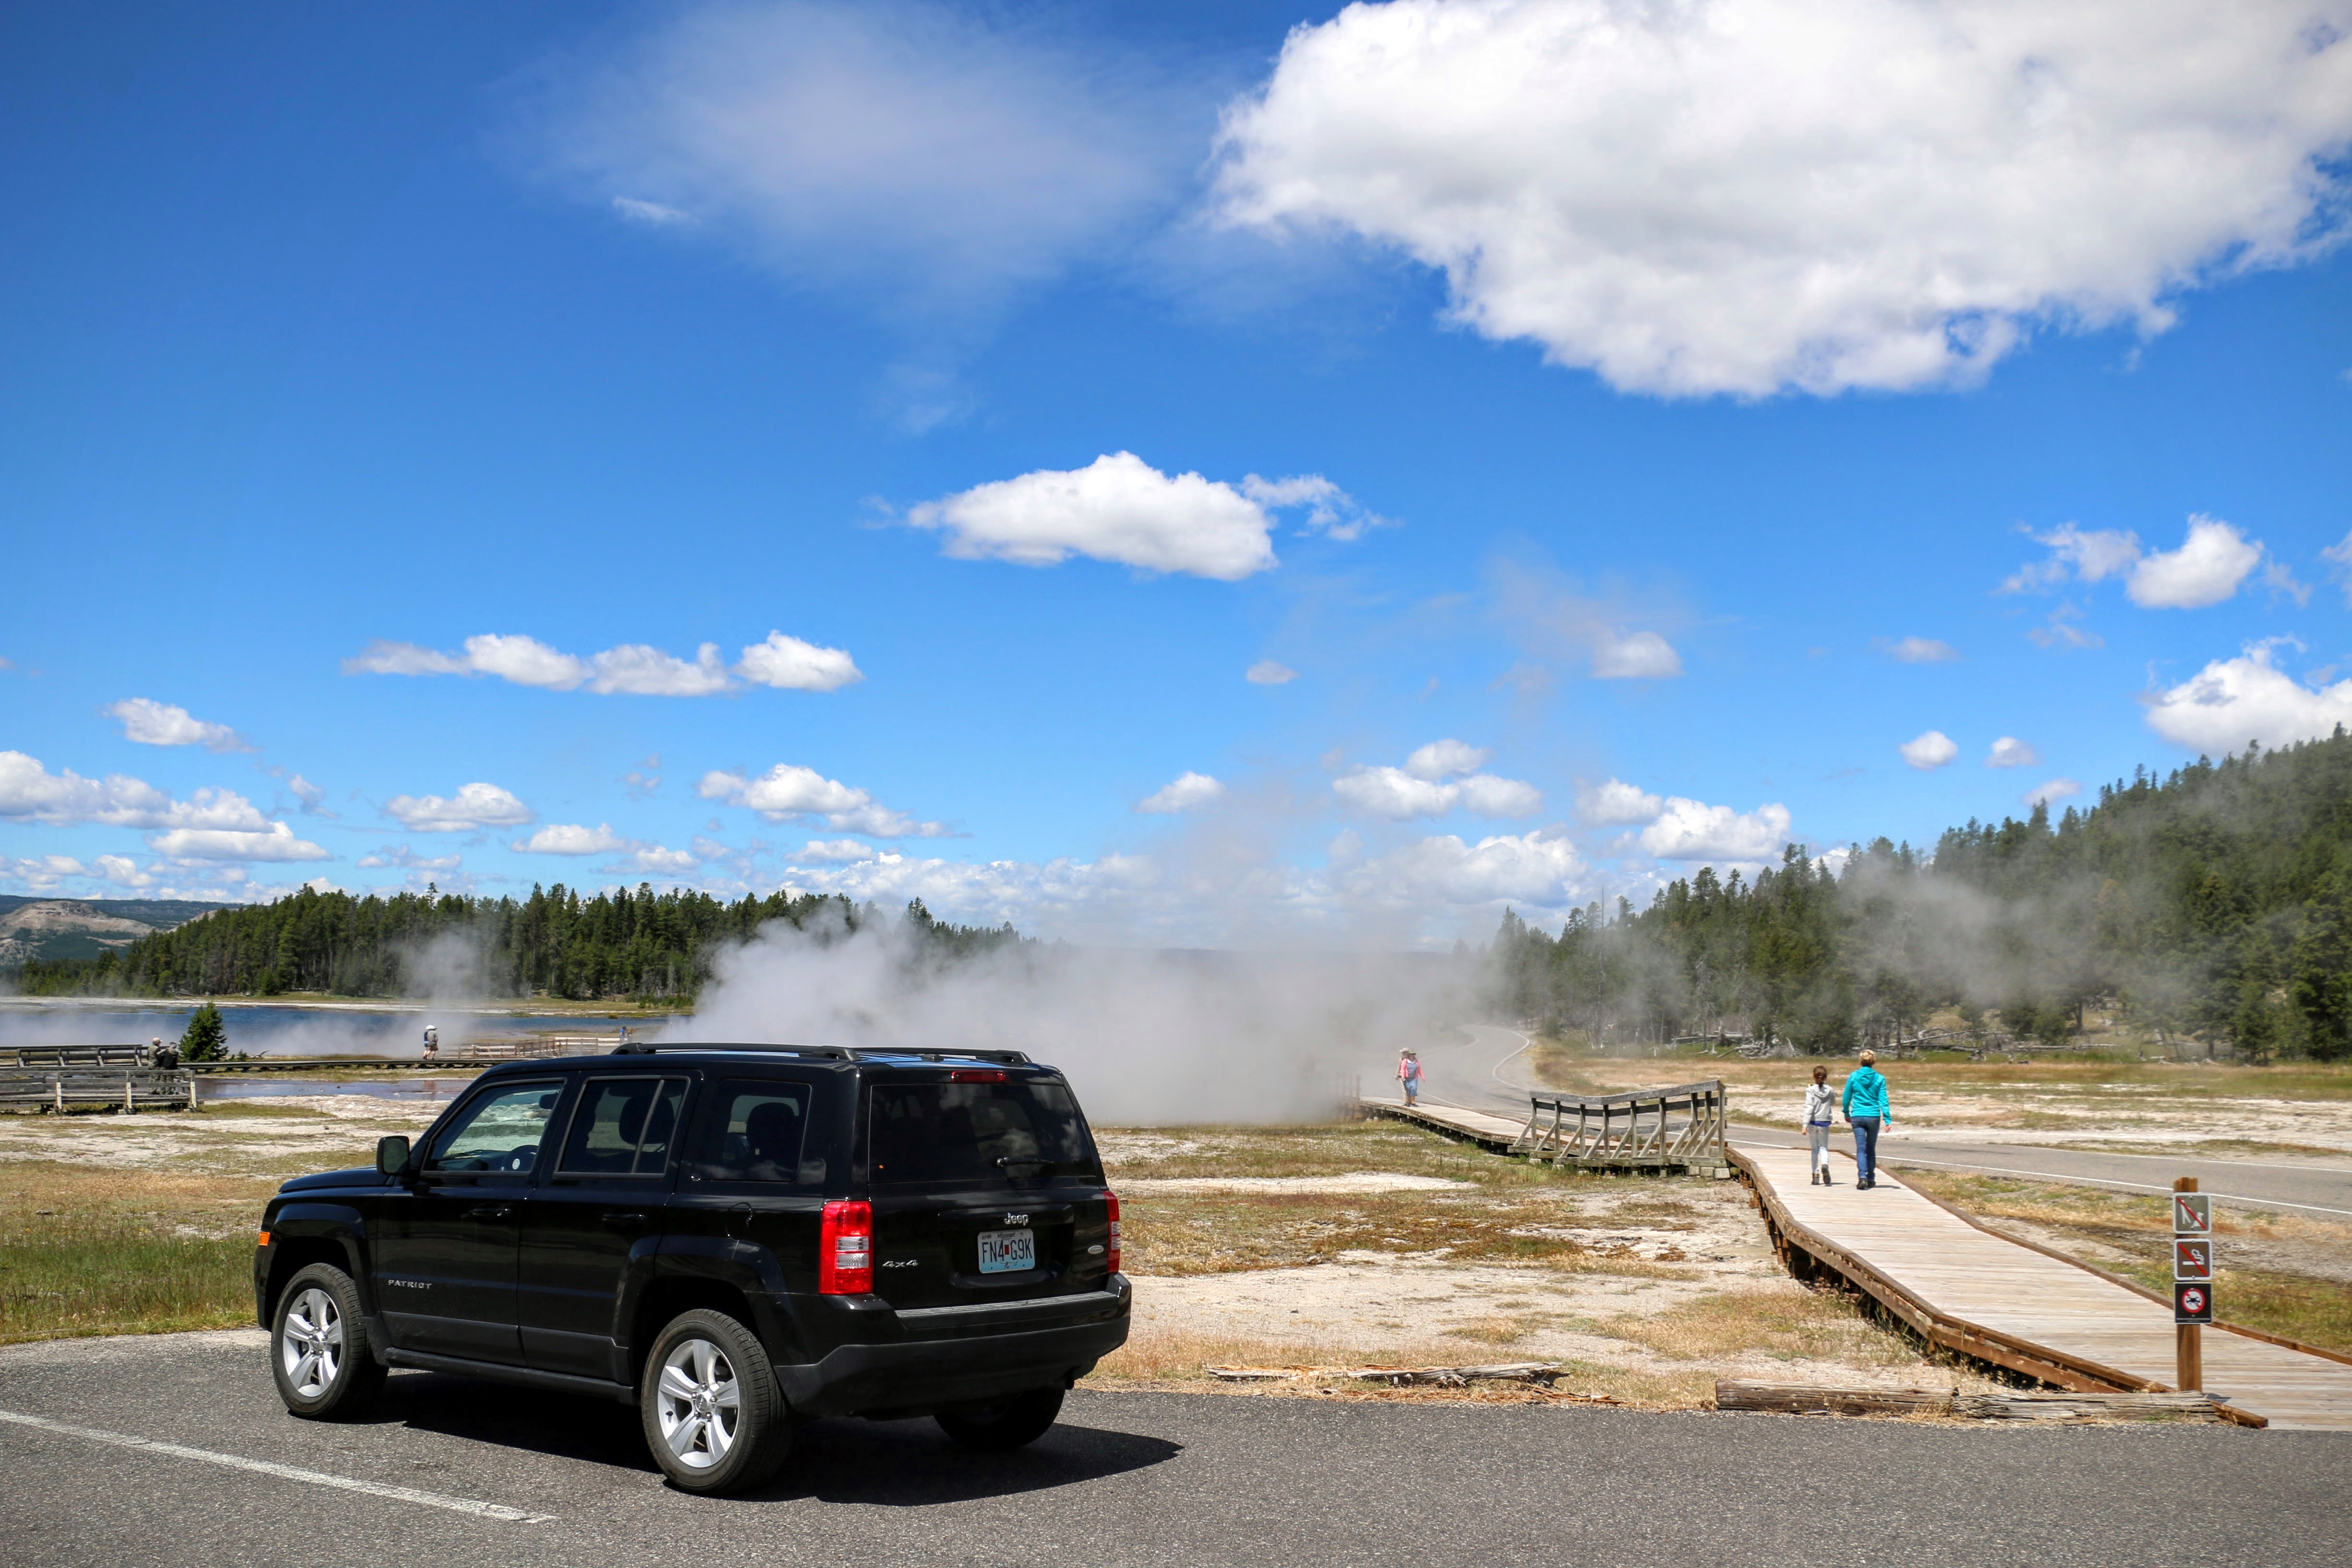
(391, 1154)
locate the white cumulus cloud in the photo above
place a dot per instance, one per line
(474, 807)
(1427, 787)
(835, 851)
(2008, 752)
(1805, 194)
(154, 723)
(1693, 830)
(2051, 792)
(1119, 508)
(30, 793)
(786, 792)
(275, 841)
(1267, 672)
(571, 839)
(1929, 751)
(2213, 561)
(2205, 570)
(1445, 759)
(1634, 656)
(1618, 805)
(791, 665)
(1183, 794)
(634, 669)
(2234, 700)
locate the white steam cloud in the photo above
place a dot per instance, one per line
(1145, 1036)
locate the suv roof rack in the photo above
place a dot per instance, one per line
(830, 1053)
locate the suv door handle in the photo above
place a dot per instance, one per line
(620, 1217)
(489, 1211)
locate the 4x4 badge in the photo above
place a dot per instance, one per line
(1016, 1219)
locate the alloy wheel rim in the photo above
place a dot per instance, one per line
(311, 1343)
(698, 1404)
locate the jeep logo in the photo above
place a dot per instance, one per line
(1016, 1219)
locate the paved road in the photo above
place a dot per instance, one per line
(1479, 1072)
(1126, 1480)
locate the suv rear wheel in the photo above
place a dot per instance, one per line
(1005, 1423)
(319, 1351)
(713, 1415)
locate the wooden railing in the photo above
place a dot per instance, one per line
(1655, 1129)
(130, 1087)
(74, 1055)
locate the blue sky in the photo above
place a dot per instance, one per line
(1679, 423)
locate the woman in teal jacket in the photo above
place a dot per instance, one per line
(1866, 1109)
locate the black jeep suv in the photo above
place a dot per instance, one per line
(732, 1238)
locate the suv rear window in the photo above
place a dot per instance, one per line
(978, 1132)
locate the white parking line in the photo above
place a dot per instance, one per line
(285, 1472)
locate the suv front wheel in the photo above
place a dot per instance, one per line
(318, 1350)
(1005, 1423)
(713, 1415)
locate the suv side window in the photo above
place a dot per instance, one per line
(501, 1132)
(623, 1127)
(757, 1130)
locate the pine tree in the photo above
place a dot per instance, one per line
(207, 1036)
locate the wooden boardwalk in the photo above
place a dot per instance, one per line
(1489, 1131)
(2015, 1305)
(2003, 1301)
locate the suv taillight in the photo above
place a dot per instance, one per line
(844, 1256)
(1111, 1199)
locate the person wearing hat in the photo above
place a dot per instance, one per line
(1866, 1110)
(1409, 1076)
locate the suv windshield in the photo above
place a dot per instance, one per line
(978, 1132)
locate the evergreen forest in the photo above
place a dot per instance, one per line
(2213, 904)
(642, 944)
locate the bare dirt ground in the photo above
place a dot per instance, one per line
(1373, 1244)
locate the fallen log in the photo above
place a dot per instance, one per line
(1799, 1399)
(2086, 1407)
(1455, 1376)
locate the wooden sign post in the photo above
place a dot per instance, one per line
(2192, 1282)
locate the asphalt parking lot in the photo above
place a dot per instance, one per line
(174, 1449)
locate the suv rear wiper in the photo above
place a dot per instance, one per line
(1005, 1162)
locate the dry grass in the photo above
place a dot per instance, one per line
(1224, 1233)
(2121, 1082)
(2291, 1275)
(1809, 1325)
(1178, 1360)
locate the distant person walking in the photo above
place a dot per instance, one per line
(432, 1041)
(1866, 1110)
(1409, 1076)
(1821, 1113)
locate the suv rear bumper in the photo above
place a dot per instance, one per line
(949, 1357)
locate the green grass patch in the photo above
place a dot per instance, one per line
(62, 1276)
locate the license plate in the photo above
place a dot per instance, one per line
(1007, 1251)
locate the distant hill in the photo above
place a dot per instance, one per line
(50, 930)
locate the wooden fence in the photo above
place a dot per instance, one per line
(1652, 1128)
(75, 1056)
(56, 1089)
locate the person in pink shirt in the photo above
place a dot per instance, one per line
(1409, 1076)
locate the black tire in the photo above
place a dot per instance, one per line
(721, 1368)
(319, 1356)
(1010, 1423)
